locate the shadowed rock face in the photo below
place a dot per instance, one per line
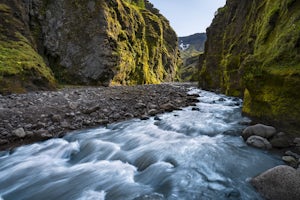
(252, 50)
(86, 43)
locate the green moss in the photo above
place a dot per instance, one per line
(4, 8)
(21, 67)
(141, 45)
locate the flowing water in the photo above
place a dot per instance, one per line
(186, 155)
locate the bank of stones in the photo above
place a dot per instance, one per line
(36, 116)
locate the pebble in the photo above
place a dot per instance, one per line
(87, 106)
(56, 118)
(153, 112)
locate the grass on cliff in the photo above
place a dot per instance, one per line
(16, 57)
(140, 44)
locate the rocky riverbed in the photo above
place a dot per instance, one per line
(37, 116)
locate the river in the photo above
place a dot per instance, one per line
(192, 154)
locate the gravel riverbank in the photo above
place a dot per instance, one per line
(37, 116)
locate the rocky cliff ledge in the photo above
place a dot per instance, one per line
(253, 50)
(84, 42)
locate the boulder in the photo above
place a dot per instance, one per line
(19, 132)
(259, 130)
(281, 182)
(259, 142)
(280, 141)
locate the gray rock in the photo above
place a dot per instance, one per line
(153, 112)
(73, 105)
(56, 118)
(290, 153)
(3, 142)
(280, 141)
(144, 117)
(297, 141)
(64, 124)
(281, 182)
(19, 132)
(259, 130)
(289, 160)
(258, 142)
(129, 115)
(168, 107)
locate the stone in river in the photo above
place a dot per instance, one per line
(259, 130)
(259, 142)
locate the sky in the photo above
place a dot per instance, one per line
(188, 16)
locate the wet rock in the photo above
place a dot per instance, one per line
(281, 182)
(129, 115)
(153, 112)
(297, 142)
(43, 133)
(258, 142)
(168, 107)
(19, 132)
(144, 117)
(3, 142)
(195, 109)
(259, 130)
(290, 160)
(221, 99)
(280, 141)
(157, 118)
(290, 153)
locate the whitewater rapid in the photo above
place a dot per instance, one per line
(192, 154)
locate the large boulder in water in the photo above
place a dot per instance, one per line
(259, 130)
(281, 182)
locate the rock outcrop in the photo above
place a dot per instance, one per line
(252, 50)
(85, 43)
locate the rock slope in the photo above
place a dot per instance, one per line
(253, 50)
(85, 43)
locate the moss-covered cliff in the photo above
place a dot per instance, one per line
(21, 67)
(84, 42)
(253, 49)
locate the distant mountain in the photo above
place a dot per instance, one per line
(195, 41)
(190, 48)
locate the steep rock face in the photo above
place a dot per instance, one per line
(253, 49)
(90, 42)
(21, 67)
